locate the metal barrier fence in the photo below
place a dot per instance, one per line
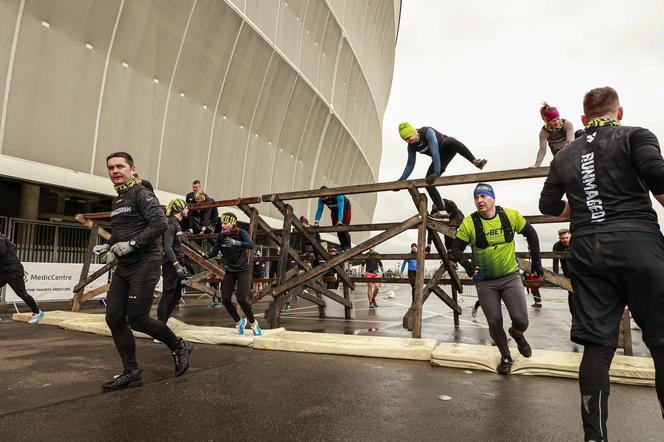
(44, 241)
(3, 224)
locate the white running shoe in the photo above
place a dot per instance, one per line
(35, 318)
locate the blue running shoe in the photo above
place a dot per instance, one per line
(256, 328)
(241, 324)
(35, 318)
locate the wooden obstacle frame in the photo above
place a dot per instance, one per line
(296, 276)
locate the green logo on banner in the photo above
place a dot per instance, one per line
(25, 276)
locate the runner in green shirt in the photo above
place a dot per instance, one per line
(490, 232)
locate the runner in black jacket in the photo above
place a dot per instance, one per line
(11, 272)
(617, 249)
(137, 223)
(173, 270)
(233, 243)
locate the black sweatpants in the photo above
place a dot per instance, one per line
(15, 280)
(128, 307)
(610, 271)
(243, 282)
(448, 150)
(171, 292)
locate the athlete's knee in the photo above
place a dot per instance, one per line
(114, 320)
(520, 324)
(496, 328)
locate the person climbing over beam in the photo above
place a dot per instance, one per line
(617, 250)
(11, 272)
(373, 269)
(233, 242)
(137, 224)
(340, 211)
(556, 132)
(173, 270)
(490, 232)
(442, 149)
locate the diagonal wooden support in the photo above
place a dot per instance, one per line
(201, 276)
(201, 287)
(274, 309)
(95, 275)
(442, 252)
(311, 298)
(551, 277)
(95, 292)
(267, 290)
(252, 235)
(92, 242)
(198, 259)
(283, 208)
(446, 299)
(441, 227)
(318, 287)
(337, 260)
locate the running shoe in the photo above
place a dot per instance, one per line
(505, 366)
(479, 163)
(216, 305)
(35, 318)
(156, 341)
(241, 324)
(375, 305)
(181, 356)
(371, 305)
(536, 305)
(126, 379)
(473, 313)
(521, 343)
(256, 328)
(287, 307)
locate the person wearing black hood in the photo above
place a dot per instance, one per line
(137, 223)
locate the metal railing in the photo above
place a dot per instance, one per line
(44, 241)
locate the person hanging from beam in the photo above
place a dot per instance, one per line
(617, 250)
(12, 272)
(490, 232)
(340, 211)
(233, 242)
(556, 132)
(173, 270)
(442, 149)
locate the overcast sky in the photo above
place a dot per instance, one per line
(480, 70)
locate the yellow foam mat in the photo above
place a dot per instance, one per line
(96, 323)
(631, 370)
(353, 345)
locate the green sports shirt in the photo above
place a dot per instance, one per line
(499, 259)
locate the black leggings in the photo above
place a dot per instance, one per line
(412, 274)
(128, 307)
(171, 292)
(243, 280)
(448, 150)
(17, 284)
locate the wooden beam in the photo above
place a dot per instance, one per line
(439, 257)
(225, 203)
(337, 260)
(253, 226)
(442, 252)
(551, 277)
(318, 287)
(311, 298)
(95, 275)
(502, 175)
(447, 281)
(189, 282)
(89, 224)
(447, 300)
(282, 207)
(92, 242)
(198, 259)
(95, 292)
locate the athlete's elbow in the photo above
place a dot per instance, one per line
(551, 206)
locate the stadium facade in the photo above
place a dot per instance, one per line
(250, 97)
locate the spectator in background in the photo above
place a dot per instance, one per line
(200, 220)
(259, 270)
(373, 270)
(534, 289)
(412, 268)
(562, 245)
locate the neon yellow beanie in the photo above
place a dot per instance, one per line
(406, 130)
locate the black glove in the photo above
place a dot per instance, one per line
(181, 271)
(537, 269)
(427, 249)
(395, 190)
(431, 178)
(469, 268)
(230, 242)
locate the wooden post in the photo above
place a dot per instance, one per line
(250, 253)
(347, 310)
(419, 278)
(274, 315)
(455, 298)
(625, 337)
(92, 242)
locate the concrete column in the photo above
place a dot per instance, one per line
(29, 204)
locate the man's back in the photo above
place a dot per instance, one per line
(601, 173)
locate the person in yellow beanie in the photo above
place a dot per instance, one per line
(442, 149)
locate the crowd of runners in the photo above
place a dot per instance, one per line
(607, 172)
